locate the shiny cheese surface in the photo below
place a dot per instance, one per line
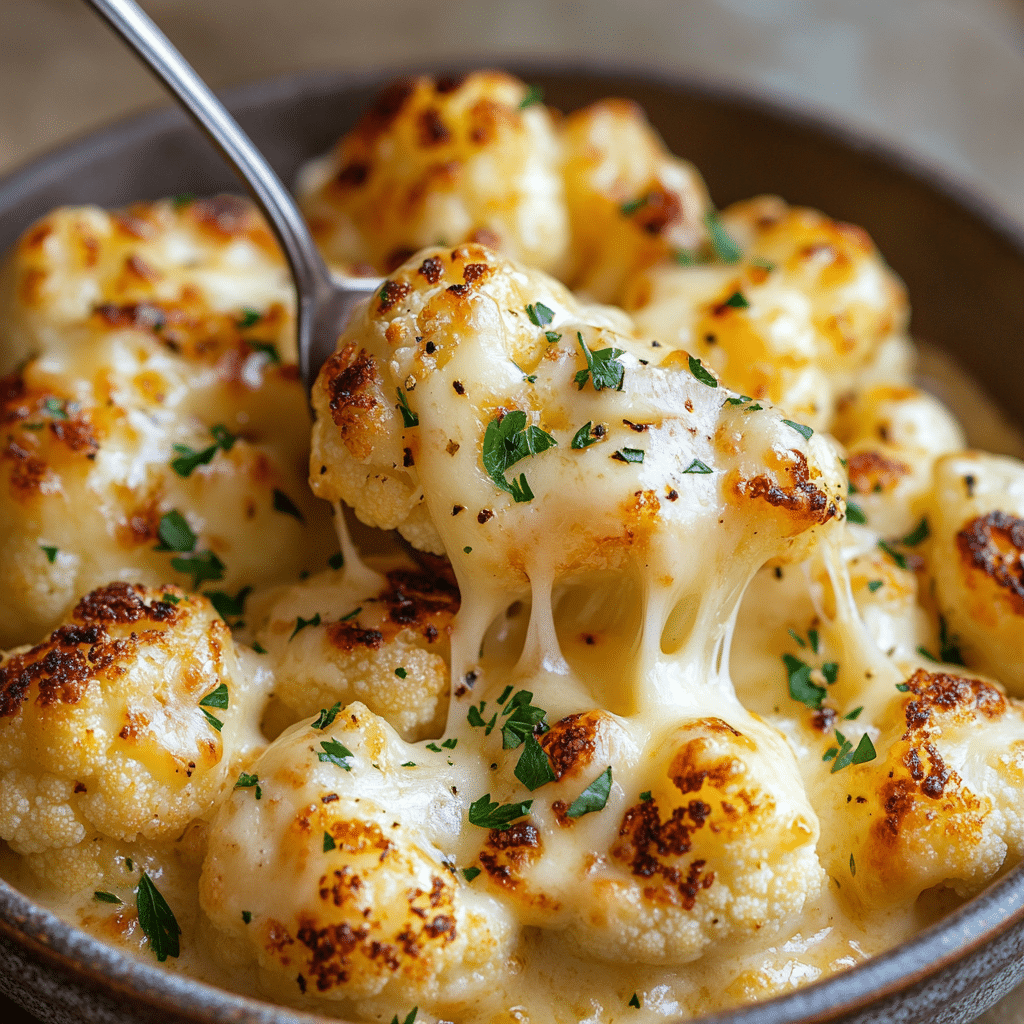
(689, 683)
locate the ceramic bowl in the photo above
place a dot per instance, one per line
(964, 269)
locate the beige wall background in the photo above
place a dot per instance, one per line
(943, 79)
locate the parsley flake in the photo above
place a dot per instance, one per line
(918, 534)
(698, 467)
(523, 717)
(702, 374)
(851, 716)
(487, 814)
(539, 314)
(603, 368)
(737, 301)
(226, 605)
(801, 689)
(630, 207)
(434, 747)
(174, 532)
(583, 437)
(895, 555)
(853, 865)
(902, 687)
(594, 797)
(830, 670)
(801, 642)
(157, 920)
(329, 843)
(739, 400)
(801, 428)
(507, 441)
(301, 624)
(874, 585)
(282, 503)
(259, 648)
(723, 245)
(249, 781)
(333, 752)
(635, 1001)
(106, 897)
(552, 336)
(470, 873)
(55, 408)
(949, 649)
(265, 348)
(326, 717)
(408, 764)
(203, 566)
(534, 94)
(249, 318)
(409, 418)
(50, 552)
(410, 1017)
(847, 755)
(401, 672)
(645, 796)
(813, 640)
(629, 455)
(216, 698)
(450, 744)
(246, 916)
(336, 561)
(533, 769)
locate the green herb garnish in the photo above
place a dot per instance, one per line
(409, 418)
(801, 689)
(203, 566)
(594, 797)
(301, 624)
(326, 717)
(533, 769)
(698, 467)
(487, 814)
(174, 532)
(702, 374)
(157, 920)
(801, 428)
(50, 552)
(507, 441)
(603, 368)
(249, 781)
(539, 314)
(106, 897)
(918, 534)
(583, 438)
(629, 455)
(723, 245)
(333, 752)
(282, 503)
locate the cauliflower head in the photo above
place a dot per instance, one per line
(440, 161)
(328, 865)
(125, 723)
(331, 639)
(151, 395)
(790, 307)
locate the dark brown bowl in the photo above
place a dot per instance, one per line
(964, 268)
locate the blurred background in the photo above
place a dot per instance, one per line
(940, 79)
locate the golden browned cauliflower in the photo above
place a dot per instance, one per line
(792, 307)
(126, 723)
(332, 865)
(334, 638)
(440, 161)
(631, 202)
(940, 804)
(154, 432)
(893, 435)
(976, 559)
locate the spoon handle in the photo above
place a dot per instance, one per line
(312, 278)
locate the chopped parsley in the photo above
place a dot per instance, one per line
(259, 648)
(723, 245)
(813, 639)
(645, 796)
(949, 649)
(216, 698)
(918, 534)
(470, 873)
(50, 552)
(635, 1001)
(895, 555)
(855, 514)
(925, 653)
(157, 920)
(282, 503)
(847, 755)
(336, 561)
(266, 348)
(539, 314)
(203, 566)
(487, 814)
(326, 717)
(189, 459)
(851, 716)
(333, 752)
(874, 585)
(410, 1017)
(401, 672)
(249, 318)
(408, 764)
(183, 199)
(409, 418)
(451, 743)
(702, 374)
(106, 897)
(603, 368)
(594, 797)
(627, 209)
(534, 94)
(830, 670)
(523, 717)
(476, 718)
(739, 400)
(853, 865)
(583, 438)
(801, 688)
(246, 916)
(629, 455)
(552, 336)
(533, 769)
(329, 843)
(737, 301)
(688, 258)
(226, 605)
(55, 408)
(507, 441)
(249, 781)
(801, 642)
(301, 624)
(698, 467)
(174, 532)
(801, 428)
(434, 747)
(351, 615)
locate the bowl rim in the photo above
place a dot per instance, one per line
(976, 924)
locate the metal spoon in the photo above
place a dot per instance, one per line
(324, 299)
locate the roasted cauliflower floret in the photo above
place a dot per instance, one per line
(127, 722)
(939, 806)
(328, 864)
(631, 202)
(976, 558)
(793, 308)
(440, 162)
(331, 639)
(893, 435)
(467, 364)
(154, 396)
